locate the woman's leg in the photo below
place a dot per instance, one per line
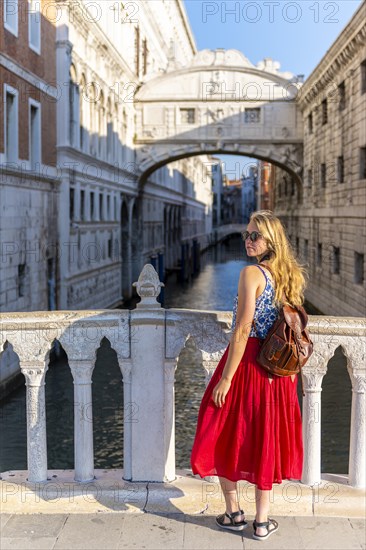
(262, 505)
(229, 489)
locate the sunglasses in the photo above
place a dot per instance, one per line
(254, 235)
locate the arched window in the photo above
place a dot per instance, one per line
(73, 108)
(101, 125)
(91, 97)
(82, 114)
(110, 144)
(124, 135)
(116, 136)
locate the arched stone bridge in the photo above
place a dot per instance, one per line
(224, 231)
(221, 103)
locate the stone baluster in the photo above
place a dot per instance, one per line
(357, 452)
(35, 373)
(313, 373)
(83, 419)
(129, 416)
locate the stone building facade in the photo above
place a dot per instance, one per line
(250, 192)
(28, 182)
(111, 225)
(325, 216)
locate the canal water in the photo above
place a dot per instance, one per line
(214, 288)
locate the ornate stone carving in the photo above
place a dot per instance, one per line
(358, 380)
(81, 371)
(148, 287)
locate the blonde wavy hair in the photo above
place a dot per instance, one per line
(288, 274)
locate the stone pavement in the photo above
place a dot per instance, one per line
(109, 512)
(171, 531)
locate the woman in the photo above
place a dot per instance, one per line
(249, 423)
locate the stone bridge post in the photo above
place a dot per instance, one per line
(152, 447)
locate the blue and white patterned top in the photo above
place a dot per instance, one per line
(265, 313)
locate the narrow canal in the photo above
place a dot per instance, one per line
(213, 288)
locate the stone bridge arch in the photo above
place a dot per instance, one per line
(220, 104)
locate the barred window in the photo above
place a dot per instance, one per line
(187, 116)
(340, 169)
(252, 116)
(342, 96)
(310, 123)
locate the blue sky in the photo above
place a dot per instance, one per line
(295, 33)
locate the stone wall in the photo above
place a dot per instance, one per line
(325, 215)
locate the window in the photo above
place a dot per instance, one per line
(340, 169)
(342, 96)
(359, 263)
(21, 279)
(324, 111)
(362, 163)
(336, 259)
(187, 116)
(74, 103)
(323, 174)
(82, 115)
(310, 123)
(306, 249)
(292, 187)
(92, 205)
(101, 213)
(108, 207)
(310, 177)
(11, 124)
(319, 255)
(72, 203)
(82, 205)
(297, 245)
(110, 248)
(34, 134)
(363, 77)
(252, 116)
(110, 137)
(101, 125)
(34, 25)
(11, 16)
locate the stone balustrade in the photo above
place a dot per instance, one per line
(148, 341)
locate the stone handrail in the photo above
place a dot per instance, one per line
(148, 341)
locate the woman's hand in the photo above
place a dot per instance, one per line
(220, 391)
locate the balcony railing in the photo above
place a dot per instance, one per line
(148, 341)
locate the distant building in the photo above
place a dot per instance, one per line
(266, 182)
(325, 216)
(217, 189)
(249, 193)
(232, 205)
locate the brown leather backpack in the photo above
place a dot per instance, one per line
(287, 346)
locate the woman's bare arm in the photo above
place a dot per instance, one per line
(247, 287)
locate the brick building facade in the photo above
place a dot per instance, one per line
(28, 186)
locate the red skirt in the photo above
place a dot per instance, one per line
(257, 434)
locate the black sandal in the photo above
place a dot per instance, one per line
(265, 524)
(233, 525)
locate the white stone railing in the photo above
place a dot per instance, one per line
(148, 341)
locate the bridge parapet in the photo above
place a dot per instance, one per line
(148, 341)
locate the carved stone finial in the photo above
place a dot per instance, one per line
(148, 287)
